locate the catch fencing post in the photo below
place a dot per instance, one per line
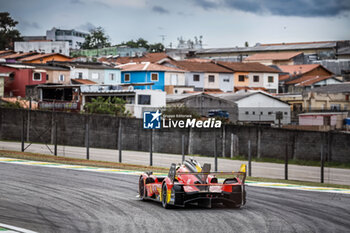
(223, 141)
(120, 140)
(87, 139)
(55, 138)
(286, 164)
(249, 160)
(231, 146)
(215, 155)
(183, 147)
(22, 135)
(322, 165)
(151, 149)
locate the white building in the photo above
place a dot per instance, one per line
(61, 47)
(259, 107)
(137, 101)
(74, 38)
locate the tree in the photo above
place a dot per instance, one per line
(113, 106)
(8, 33)
(96, 39)
(156, 48)
(246, 44)
(142, 43)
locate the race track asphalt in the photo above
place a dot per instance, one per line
(46, 199)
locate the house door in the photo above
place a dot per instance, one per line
(174, 79)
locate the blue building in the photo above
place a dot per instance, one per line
(147, 75)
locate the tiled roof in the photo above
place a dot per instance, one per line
(333, 88)
(273, 56)
(271, 47)
(308, 80)
(149, 57)
(82, 81)
(200, 66)
(300, 69)
(283, 77)
(312, 80)
(19, 55)
(146, 66)
(198, 60)
(250, 88)
(299, 43)
(248, 67)
(38, 56)
(6, 51)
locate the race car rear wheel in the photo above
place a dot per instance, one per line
(164, 196)
(142, 192)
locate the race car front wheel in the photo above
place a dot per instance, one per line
(164, 196)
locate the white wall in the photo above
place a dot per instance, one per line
(256, 84)
(224, 85)
(61, 47)
(74, 73)
(190, 82)
(158, 100)
(211, 85)
(180, 78)
(262, 108)
(274, 84)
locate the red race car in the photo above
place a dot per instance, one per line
(189, 183)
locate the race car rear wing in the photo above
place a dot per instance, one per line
(206, 171)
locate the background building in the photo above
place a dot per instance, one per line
(45, 46)
(75, 38)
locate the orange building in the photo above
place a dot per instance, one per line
(44, 58)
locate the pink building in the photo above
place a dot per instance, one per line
(19, 76)
(323, 119)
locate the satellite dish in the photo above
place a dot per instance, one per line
(130, 88)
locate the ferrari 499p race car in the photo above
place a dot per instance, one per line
(191, 183)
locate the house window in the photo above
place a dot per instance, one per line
(144, 99)
(247, 113)
(111, 76)
(12, 76)
(80, 75)
(196, 78)
(240, 78)
(211, 78)
(154, 77)
(61, 78)
(36, 76)
(226, 80)
(270, 79)
(256, 78)
(253, 113)
(52, 51)
(47, 77)
(94, 75)
(126, 77)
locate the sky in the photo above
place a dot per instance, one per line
(222, 23)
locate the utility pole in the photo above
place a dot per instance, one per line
(163, 38)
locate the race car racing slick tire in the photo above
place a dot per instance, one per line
(142, 191)
(164, 197)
